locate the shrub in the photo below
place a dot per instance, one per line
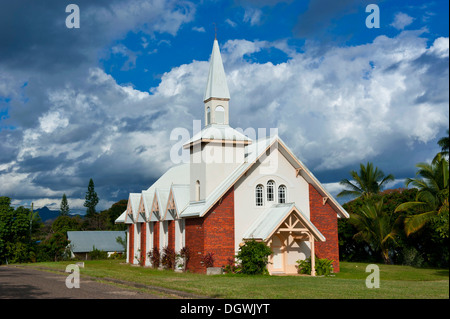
(97, 254)
(231, 267)
(208, 260)
(154, 256)
(168, 258)
(324, 267)
(254, 257)
(185, 255)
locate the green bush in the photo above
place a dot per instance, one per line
(254, 257)
(97, 254)
(324, 267)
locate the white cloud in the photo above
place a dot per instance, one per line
(252, 15)
(401, 20)
(334, 110)
(199, 29)
(231, 23)
(51, 121)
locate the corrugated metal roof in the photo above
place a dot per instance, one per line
(181, 195)
(121, 218)
(218, 132)
(84, 241)
(268, 222)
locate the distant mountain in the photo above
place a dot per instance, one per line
(46, 214)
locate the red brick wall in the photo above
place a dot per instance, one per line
(194, 241)
(156, 235)
(212, 233)
(131, 243)
(143, 241)
(219, 229)
(325, 219)
(171, 228)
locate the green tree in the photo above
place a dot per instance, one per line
(367, 182)
(376, 227)
(64, 223)
(113, 213)
(64, 207)
(432, 198)
(91, 199)
(14, 232)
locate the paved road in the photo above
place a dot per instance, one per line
(28, 283)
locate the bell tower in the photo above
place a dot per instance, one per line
(217, 149)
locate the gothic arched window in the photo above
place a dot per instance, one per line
(270, 191)
(208, 116)
(259, 195)
(282, 194)
(197, 191)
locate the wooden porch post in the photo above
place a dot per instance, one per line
(313, 255)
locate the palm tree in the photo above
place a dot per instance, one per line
(368, 182)
(376, 227)
(444, 144)
(432, 198)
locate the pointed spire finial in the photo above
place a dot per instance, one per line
(216, 86)
(215, 31)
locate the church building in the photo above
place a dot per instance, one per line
(234, 189)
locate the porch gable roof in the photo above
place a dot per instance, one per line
(272, 218)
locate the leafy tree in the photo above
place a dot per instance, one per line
(367, 182)
(14, 232)
(432, 198)
(113, 213)
(91, 199)
(56, 246)
(65, 223)
(64, 208)
(376, 227)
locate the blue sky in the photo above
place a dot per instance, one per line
(101, 101)
(281, 21)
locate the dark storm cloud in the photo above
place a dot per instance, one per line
(321, 14)
(33, 35)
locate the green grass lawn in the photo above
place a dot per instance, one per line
(395, 282)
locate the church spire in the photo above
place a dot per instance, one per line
(216, 87)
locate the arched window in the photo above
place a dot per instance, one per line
(282, 194)
(219, 114)
(197, 191)
(259, 195)
(270, 191)
(208, 116)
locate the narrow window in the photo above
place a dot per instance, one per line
(282, 194)
(219, 114)
(259, 195)
(270, 194)
(208, 116)
(197, 190)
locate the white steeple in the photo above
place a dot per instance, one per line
(217, 83)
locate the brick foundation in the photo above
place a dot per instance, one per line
(325, 219)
